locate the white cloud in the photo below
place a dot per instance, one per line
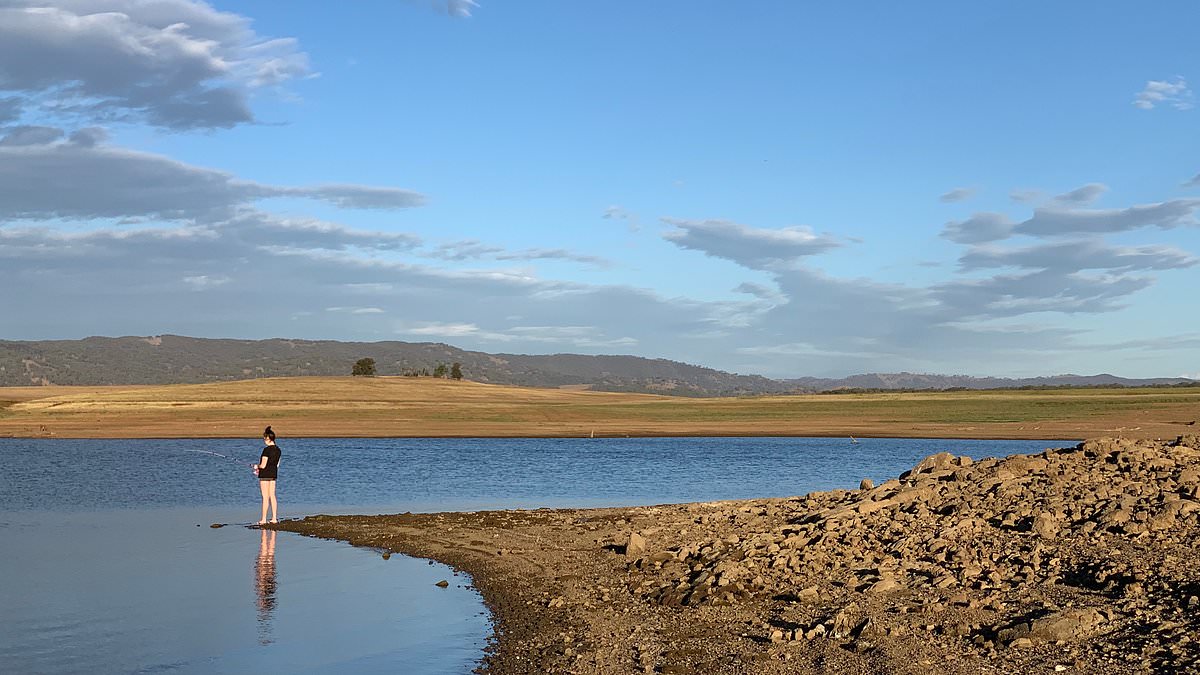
(441, 329)
(177, 64)
(1054, 274)
(1174, 93)
(355, 310)
(126, 280)
(203, 282)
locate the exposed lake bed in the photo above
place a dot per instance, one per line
(1076, 559)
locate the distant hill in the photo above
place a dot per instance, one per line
(886, 381)
(170, 359)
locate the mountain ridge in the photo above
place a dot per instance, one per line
(176, 359)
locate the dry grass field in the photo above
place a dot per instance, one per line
(385, 406)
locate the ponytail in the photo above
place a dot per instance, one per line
(269, 434)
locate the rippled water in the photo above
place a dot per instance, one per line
(441, 474)
(109, 565)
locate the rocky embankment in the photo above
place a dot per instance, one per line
(1079, 559)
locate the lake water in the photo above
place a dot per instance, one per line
(108, 563)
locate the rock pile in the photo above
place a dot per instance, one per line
(1090, 550)
(1078, 560)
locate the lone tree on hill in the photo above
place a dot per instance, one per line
(456, 371)
(364, 367)
(440, 371)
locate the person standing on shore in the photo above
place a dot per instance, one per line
(267, 472)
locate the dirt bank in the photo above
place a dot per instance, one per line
(429, 407)
(1082, 559)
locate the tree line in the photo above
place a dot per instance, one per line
(366, 368)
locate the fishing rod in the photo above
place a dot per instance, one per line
(217, 454)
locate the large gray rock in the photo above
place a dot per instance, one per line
(1068, 625)
(1045, 525)
(636, 545)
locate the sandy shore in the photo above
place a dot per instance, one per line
(1075, 560)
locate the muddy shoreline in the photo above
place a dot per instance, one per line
(1073, 560)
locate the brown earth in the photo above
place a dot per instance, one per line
(1081, 559)
(427, 407)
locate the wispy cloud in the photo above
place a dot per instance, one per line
(1164, 215)
(958, 194)
(459, 8)
(202, 282)
(1174, 93)
(1077, 255)
(440, 329)
(10, 109)
(358, 196)
(21, 136)
(1082, 195)
(554, 254)
(1026, 195)
(980, 227)
(43, 177)
(759, 291)
(751, 247)
(355, 310)
(615, 212)
(473, 249)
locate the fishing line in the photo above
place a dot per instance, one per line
(217, 454)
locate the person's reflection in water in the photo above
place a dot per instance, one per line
(264, 585)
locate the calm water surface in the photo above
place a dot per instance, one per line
(148, 591)
(108, 563)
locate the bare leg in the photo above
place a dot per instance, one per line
(274, 502)
(266, 487)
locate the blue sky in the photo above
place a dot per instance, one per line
(778, 188)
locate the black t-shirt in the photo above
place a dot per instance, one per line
(271, 470)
